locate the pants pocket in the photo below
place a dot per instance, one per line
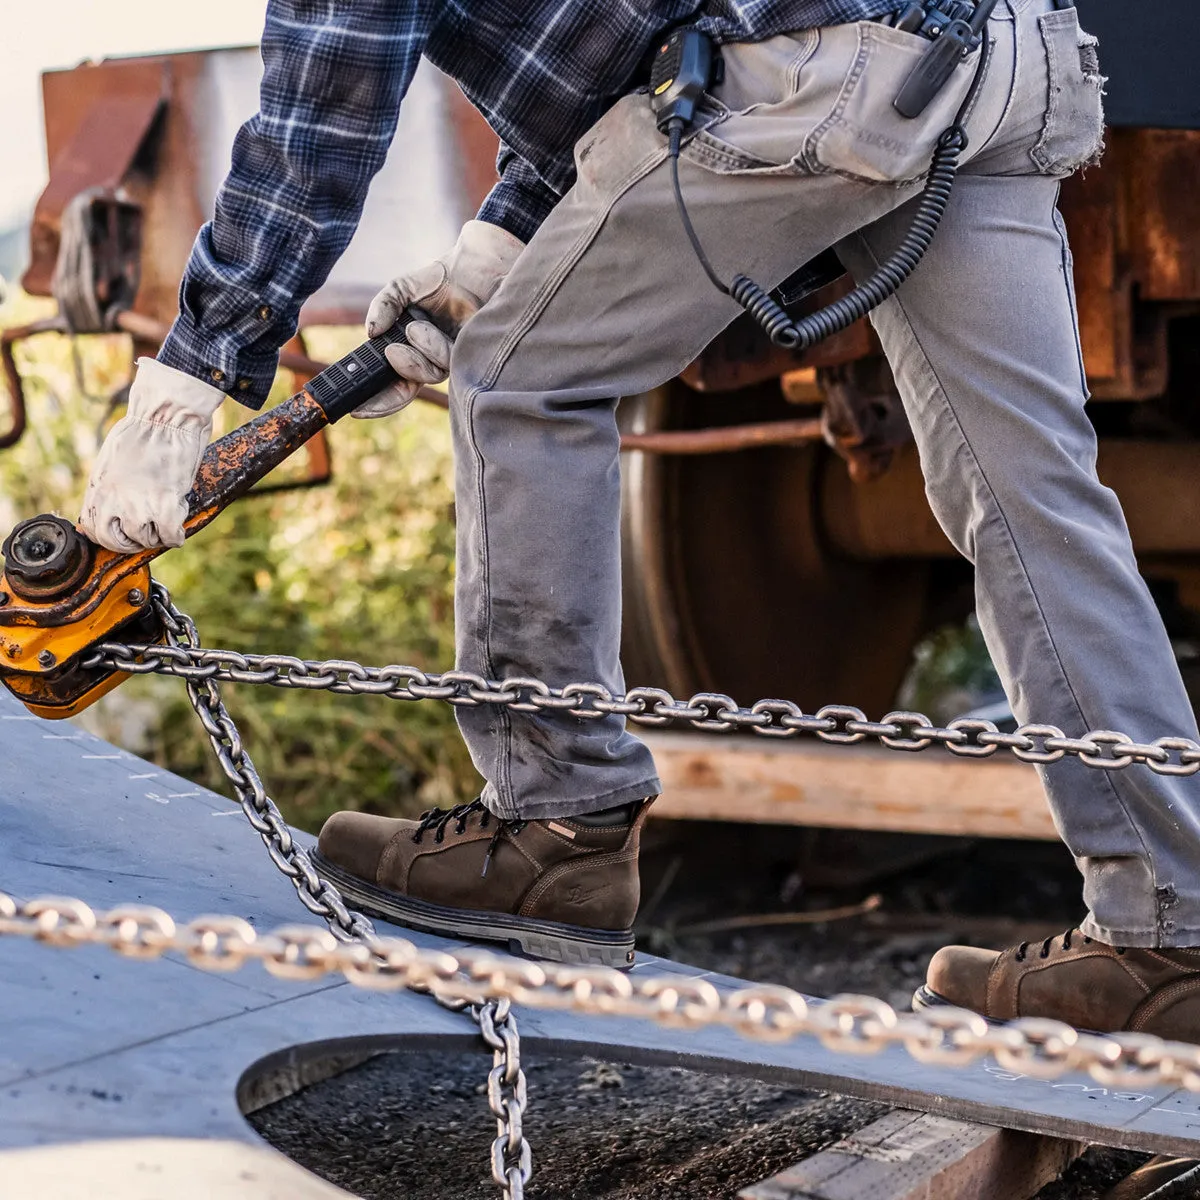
(731, 143)
(864, 137)
(774, 92)
(838, 117)
(1073, 132)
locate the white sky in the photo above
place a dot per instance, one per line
(61, 33)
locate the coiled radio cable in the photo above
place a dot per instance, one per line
(885, 281)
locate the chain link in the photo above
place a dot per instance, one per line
(511, 1157)
(317, 895)
(490, 982)
(300, 955)
(1101, 749)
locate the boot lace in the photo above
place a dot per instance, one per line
(1023, 949)
(439, 819)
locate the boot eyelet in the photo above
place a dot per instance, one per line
(1043, 954)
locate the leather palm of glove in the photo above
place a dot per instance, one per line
(136, 497)
(451, 290)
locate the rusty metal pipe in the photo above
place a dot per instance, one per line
(727, 439)
(693, 441)
(12, 376)
(724, 440)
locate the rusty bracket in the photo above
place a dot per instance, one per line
(92, 149)
(863, 419)
(12, 374)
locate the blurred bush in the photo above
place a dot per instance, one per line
(951, 673)
(361, 568)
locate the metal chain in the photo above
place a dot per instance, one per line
(1102, 749)
(951, 1037)
(319, 896)
(512, 1162)
(323, 899)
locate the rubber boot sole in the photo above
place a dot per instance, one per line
(924, 998)
(551, 941)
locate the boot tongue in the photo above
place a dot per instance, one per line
(608, 818)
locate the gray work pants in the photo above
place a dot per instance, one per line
(802, 150)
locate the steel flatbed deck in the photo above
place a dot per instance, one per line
(93, 1048)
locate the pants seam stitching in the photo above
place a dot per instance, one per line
(484, 644)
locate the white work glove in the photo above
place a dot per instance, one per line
(450, 290)
(135, 497)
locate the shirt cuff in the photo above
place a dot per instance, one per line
(519, 203)
(220, 360)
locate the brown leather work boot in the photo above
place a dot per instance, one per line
(1072, 978)
(565, 889)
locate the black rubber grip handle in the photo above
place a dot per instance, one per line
(361, 374)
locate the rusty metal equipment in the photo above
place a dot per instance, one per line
(839, 525)
(137, 148)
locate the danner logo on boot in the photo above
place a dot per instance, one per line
(576, 894)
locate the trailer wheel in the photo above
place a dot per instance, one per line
(728, 584)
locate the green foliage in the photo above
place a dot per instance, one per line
(952, 672)
(361, 568)
(67, 402)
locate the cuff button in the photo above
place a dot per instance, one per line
(217, 375)
(243, 385)
(265, 312)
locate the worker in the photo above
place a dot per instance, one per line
(577, 284)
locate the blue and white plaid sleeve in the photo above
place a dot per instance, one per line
(335, 75)
(521, 200)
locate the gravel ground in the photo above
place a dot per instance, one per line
(930, 891)
(417, 1125)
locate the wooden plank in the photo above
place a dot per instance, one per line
(917, 1156)
(805, 782)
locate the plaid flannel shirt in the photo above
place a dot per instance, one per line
(541, 71)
